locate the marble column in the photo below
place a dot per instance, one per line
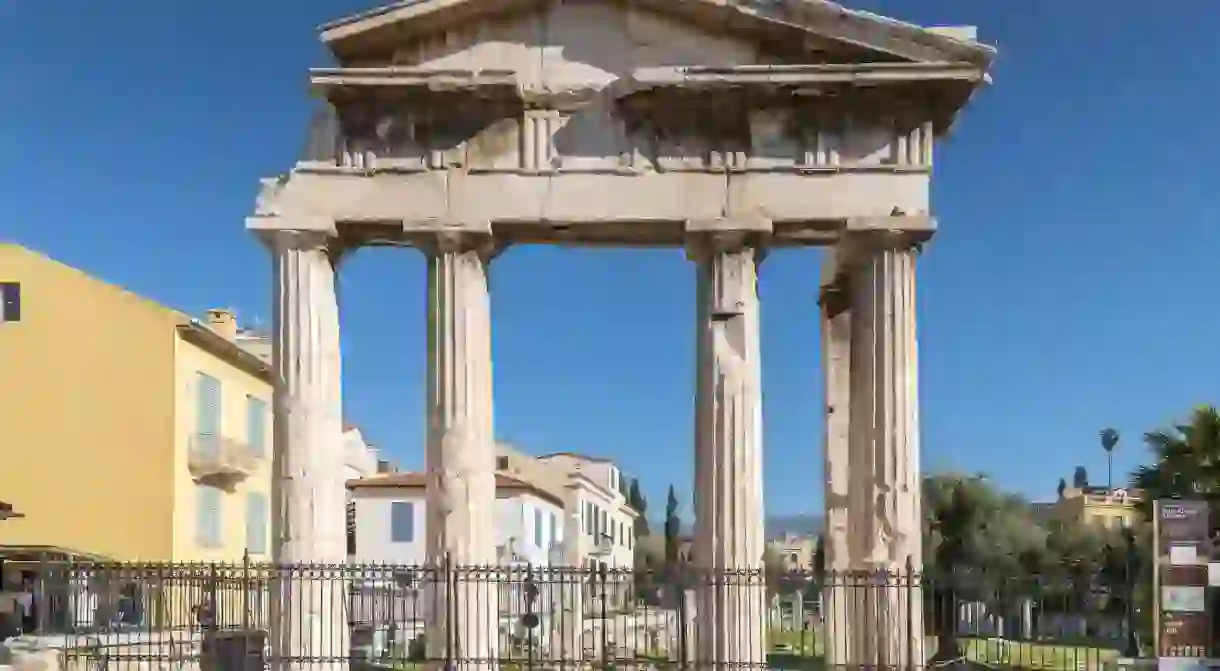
(728, 544)
(460, 455)
(883, 467)
(835, 303)
(308, 521)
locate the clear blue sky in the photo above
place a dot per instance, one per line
(1072, 286)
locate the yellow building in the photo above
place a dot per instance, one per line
(1115, 508)
(127, 430)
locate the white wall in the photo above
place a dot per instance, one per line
(359, 458)
(618, 523)
(595, 482)
(515, 519)
(373, 543)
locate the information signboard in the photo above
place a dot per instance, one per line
(1183, 551)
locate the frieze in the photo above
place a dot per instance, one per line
(497, 137)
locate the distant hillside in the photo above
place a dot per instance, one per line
(776, 525)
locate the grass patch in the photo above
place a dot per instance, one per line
(1037, 656)
(796, 643)
(791, 649)
(803, 651)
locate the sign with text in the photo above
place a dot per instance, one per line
(1183, 549)
(1184, 635)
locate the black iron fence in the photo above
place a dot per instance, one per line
(251, 616)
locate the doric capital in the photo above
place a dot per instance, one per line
(292, 240)
(897, 230)
(855, 245)
(701, 245)
(485, 244)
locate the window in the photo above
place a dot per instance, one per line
(351, 527)
(207, 413)
(10, 301)
(402, 522)
(256, 425)
(501, 463)
(207, 516)
(539, 528)
(256, 523)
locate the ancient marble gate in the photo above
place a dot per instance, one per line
(461, 127)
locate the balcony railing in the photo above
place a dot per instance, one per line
(214, 455)
(603, 544)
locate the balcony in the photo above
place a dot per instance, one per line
(216, 456)
(603, 544)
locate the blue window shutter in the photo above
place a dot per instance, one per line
(402, 522)
(256, 523)
(207, 413)
(207, 529)
(256, 425)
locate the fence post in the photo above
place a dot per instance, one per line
(910, 628)
(601, 577)
(213, 609)
(679, 588)
(245, 591)
(40, 606)
(529, 618)
(450, 627)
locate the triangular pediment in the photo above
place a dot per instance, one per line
(799, 30)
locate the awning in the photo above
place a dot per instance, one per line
(33, 554)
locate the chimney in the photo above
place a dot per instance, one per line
(223, 322)
(383, 466)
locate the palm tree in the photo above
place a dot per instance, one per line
(1187, 461)
(1186, 465)
(1109, 441)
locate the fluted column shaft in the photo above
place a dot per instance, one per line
(835, 303)
(460, 453)
(728, 544)
(308, 524)
(884, 494)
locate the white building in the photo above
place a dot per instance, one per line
(391, 524)
(360, 459)
(606, 521)
(253, 341)
(540, 503)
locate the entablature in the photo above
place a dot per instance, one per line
(878, 116)
(613, 209)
